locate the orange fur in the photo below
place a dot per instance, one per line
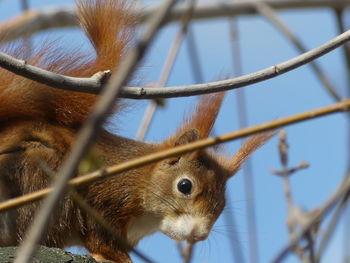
(39, 123)
(249, 146)
(202, 119)
(22, 98)
(204, 115)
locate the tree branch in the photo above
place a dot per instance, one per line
(166, 71)
(314, 217)
(258, 76)
(34, 21)
(93, 84)
(270, 14)
(88, 132)
(342, 106)
(93, 213)
(20, 67)
(296, 215)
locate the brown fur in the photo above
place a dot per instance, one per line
(203, 117)
(23, 98)
(248, 147)
(38, 125)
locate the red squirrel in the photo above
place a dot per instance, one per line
(180, 196)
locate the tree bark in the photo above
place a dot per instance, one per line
(46, 255)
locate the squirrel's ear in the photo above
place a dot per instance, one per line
(199, 124)
(248, 147)
(187, 137)
(204, 115)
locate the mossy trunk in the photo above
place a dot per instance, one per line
(46, 255)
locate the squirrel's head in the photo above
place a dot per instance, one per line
(187, 193)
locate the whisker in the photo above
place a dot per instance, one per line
(173, 203)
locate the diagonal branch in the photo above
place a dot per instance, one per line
(166, 70)
(84, 205)
(87, 134)
(340, 211)
(33, 21)
(248, 180)
(258, 76)
(270, 14)
(37, 20)
(315, 217)
(342, 106)
(93, 84)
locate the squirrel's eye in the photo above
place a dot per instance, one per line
(185, 186)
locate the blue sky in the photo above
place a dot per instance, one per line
(321, 142)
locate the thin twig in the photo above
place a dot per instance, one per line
(166, 71)
(314, 218)
(346, 218)
(240, 81)
(194, 56)
(94, 85)
(311, 246)
(27, 43)
(87, 133)
(107, 226)
(236, 244)
(345, 48)
(33, 21)
(341, 206)
(80, 201)
(296, 216)
(247, 170)
(235, 241)
(38, 20)
(283, 149)
(342, 106)
(146, 120)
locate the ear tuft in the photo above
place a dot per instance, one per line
(248, 147)
(187, 137)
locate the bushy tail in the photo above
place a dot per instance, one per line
(109, 26)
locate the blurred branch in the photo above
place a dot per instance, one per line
(249, 190)
(235, 241)
(34, 21)
(93, 85)
(80, 201)
(296, 216)
(270, 14)
(24, 5)
(27, 43)
(341, 207)
(166, 70)
(339, 15)
(194, 56)
(87, 133)
(342, 106)
(314, 217)
(345, 48)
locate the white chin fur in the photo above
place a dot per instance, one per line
(186, 227)
(141, 227)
